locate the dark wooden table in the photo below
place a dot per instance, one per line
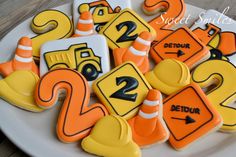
(13, 12)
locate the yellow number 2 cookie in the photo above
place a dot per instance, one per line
(223, 74)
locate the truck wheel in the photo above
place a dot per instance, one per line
(90, 72)
(217, 54)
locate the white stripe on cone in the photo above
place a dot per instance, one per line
(151, 103)
(22, 47)
(148, 115)
(142, 41)
(85, 21)
(78, 32)
(137, 52)
(22, 59)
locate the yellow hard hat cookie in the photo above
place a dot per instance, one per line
(111, 137)
(18, 89)
(169, 76)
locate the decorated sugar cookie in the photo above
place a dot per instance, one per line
(85, 25)
(50, 25)
(148, 126)
(87, 55)
(124, 28)
(122, 90)
(169, 76)
(23, 59)
(137, 52)
(171, 12)
(18, 89)
(102, 10)
(182, 45)
(223, 95)
(111, 137)
(189, 116)
(217, 31)
(76, 118)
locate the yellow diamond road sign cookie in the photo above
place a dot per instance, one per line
(122, 90)
(124, 28)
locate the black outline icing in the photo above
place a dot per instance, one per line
(131, 27)
(220, 32)
(70, 97)
(131, 83)
(169, 4)
(99, 6)
(40, 34)
(190, 57)
(221, 104)
(113, 71)
(115, 18)
(77, 65)
(196, 92)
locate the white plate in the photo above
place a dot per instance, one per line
(35, 132)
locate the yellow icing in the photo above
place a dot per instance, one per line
(50, 25)
(223, 74)
(111, 137)
(106, 85)
(112, 34)
(18, 89)
(169, 76)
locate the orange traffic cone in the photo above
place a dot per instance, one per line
(148, 127)
(137, 52)
(85, 26)
(23, 59)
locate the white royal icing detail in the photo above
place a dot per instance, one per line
(22, 47)
(148, 115)
(85, 21)
(22, 59)
(83, 32)
(142, 41)
(151, 103)
(137, 52)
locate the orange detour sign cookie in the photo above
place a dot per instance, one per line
(148, 127)
(169, 76)
(111, 137)
(122, 90)
(76, 118)
(137, 52)
(189, 116)
(182, 45)
(223, 75)
(23, 59)
(85, 26)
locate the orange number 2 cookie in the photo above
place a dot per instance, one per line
(75, 119)
(175, 10)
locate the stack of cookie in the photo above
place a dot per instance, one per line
(104, 52)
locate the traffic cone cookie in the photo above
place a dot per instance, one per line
(137, 52)
(23, 59)
(85, 26)
(148, 127)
